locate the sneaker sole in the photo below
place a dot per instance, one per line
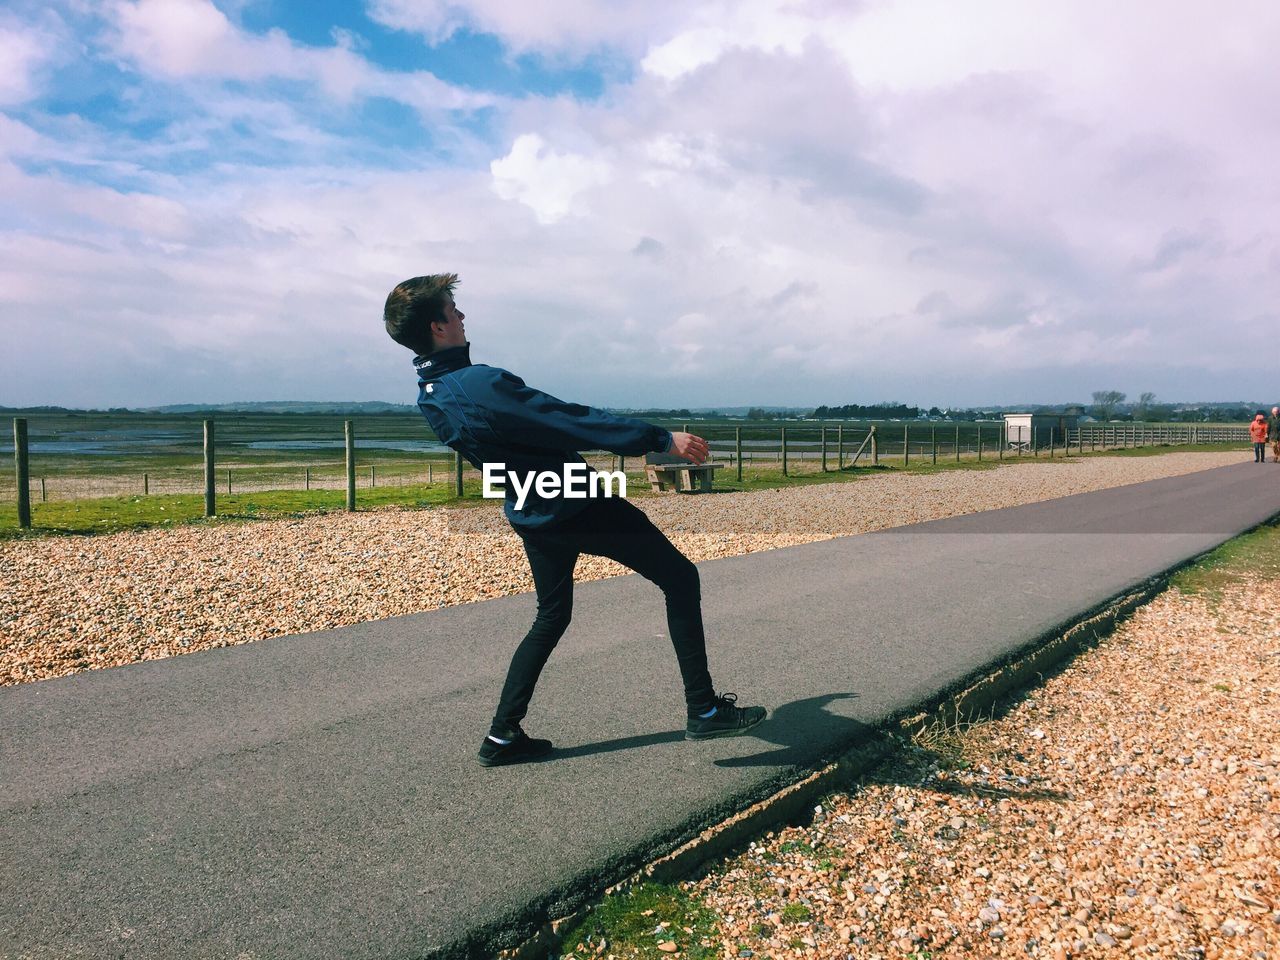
(509, 761)
(733, 732)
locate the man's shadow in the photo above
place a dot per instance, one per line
(807, 734)
(804, 731)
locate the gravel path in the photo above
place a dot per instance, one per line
(1130, 805)
(75, 603)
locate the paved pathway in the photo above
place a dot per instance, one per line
(316, 796)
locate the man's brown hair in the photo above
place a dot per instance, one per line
(414, 305)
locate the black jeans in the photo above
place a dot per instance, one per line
(1259, 452)
(609, 527)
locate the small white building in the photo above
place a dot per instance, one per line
(1023, 431)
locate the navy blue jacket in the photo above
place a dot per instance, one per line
(489, 416)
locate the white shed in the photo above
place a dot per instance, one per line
(1025, 431)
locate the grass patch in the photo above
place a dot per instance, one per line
(113, 514)
(635, 922)
(796, 912)
(946, 739)
(1155, 450)
(1255, 554)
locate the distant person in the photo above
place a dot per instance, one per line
(1258, 431)
(1273, 433)
(489, 416)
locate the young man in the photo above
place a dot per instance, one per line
(489, 416)
(1273, 433)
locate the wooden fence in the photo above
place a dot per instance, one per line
(796, 447)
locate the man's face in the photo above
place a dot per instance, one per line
(451, 332)
(1275, 411)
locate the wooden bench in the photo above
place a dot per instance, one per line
(685, 477)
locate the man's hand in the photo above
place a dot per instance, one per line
(690, 447)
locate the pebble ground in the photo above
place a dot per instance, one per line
(1129, 806)
(77, 603)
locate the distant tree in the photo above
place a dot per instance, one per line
(856, 411)
(935, 412)
(1145, 402)
(1105, 403)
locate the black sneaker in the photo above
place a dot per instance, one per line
(729, 720)
(521, 749)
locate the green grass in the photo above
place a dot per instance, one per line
(795, 912)
(1156, 450)
(113, 514)
(631, 923)
(1255, 554)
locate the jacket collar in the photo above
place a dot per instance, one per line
(437, 364)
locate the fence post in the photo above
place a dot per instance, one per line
(875, 446)
(307, 478)
(824, 449)
(228, 480)
(146, 484)
(44, 496)
(22, 471)
(210, 496)
(349, 434)
(906, 444)
(373, 475)
(737, 449)
(979, 443)
(1001, 439)
(430, 478)
(933, 442)
(784, 451)
(457, 469)
(957, 442)
(839, 446)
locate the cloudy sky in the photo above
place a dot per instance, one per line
(649, 203)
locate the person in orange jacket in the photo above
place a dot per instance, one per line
(1258, 433)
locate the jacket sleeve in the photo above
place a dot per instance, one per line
(521, 414)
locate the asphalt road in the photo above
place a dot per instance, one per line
(317, 796)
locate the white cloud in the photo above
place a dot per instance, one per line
(545, 181)
(181, 38)
(24, 51)
(193, 39)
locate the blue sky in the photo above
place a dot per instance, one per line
(649, 203)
